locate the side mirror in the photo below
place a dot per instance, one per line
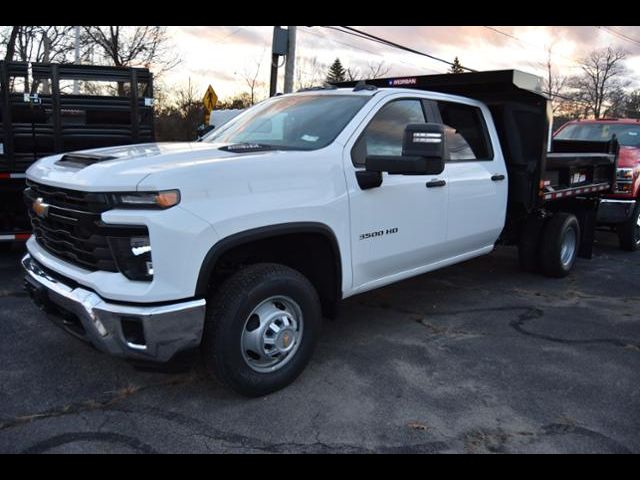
(422, 152)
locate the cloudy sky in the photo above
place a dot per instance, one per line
(224, 56)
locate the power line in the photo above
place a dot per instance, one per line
(364, 35)
(350, 45)
(369, 36)
(382, 42)
(619, 34)
(522, 42)
(577, 63)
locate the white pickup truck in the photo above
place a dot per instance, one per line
(241, 243)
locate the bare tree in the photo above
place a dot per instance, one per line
(37, 43)
(10, 41)
(126, 46)
(554, 84)
(44, 43)
(601, 79)
(373, 70)
(251, 79)
(353, 74)
(177, 118)
(309, 72)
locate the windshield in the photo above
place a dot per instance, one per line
(297, 122)
(627, 135)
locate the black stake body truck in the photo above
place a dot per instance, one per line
(50, 108)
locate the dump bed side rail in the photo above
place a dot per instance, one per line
(579, 168)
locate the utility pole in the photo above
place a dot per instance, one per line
(291, 60)
(76, 85)
(284, 44)
(273, 84)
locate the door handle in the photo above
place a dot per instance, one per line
(497, 178)
(436, 183)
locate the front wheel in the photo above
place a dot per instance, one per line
(629, 232)
(560, 244)
(261, 328)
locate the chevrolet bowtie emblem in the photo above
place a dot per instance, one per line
(40, 208)
(285, 340)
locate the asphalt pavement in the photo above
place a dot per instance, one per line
(478, 357)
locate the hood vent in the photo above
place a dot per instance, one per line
(82, 160)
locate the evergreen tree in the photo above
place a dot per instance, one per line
(337, 73)
(456, 67)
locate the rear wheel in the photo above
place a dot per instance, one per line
(629, 232)
(559, 245)
(261, 328)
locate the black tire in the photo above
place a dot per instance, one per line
(553, 235)
(629, 232)
(529, 245)
(229, 309)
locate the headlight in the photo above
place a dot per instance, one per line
(157, 200)
(625, 173)
(133, 257)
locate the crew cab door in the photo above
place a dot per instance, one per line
(400, 225)
(476, 178)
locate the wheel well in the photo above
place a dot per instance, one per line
(314, 253)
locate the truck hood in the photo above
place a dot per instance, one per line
(123, 168)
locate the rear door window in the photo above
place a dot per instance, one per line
(465, 132)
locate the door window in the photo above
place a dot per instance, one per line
(465, 132)
(385, 132)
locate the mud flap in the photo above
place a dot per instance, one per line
(586, 211)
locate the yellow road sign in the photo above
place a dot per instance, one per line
(210, 99)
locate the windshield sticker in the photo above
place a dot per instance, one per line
(309, 138)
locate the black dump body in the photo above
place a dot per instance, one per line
(522, 117)
(51, 108)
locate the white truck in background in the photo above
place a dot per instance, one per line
(217, 119)
(241, 243)
(220, 117)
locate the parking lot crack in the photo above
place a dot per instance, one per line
(110, 399)
(528, 314)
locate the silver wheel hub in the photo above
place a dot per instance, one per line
(568, 248)
(272, 334)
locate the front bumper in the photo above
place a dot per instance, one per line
(153, 333)
(612, 211)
